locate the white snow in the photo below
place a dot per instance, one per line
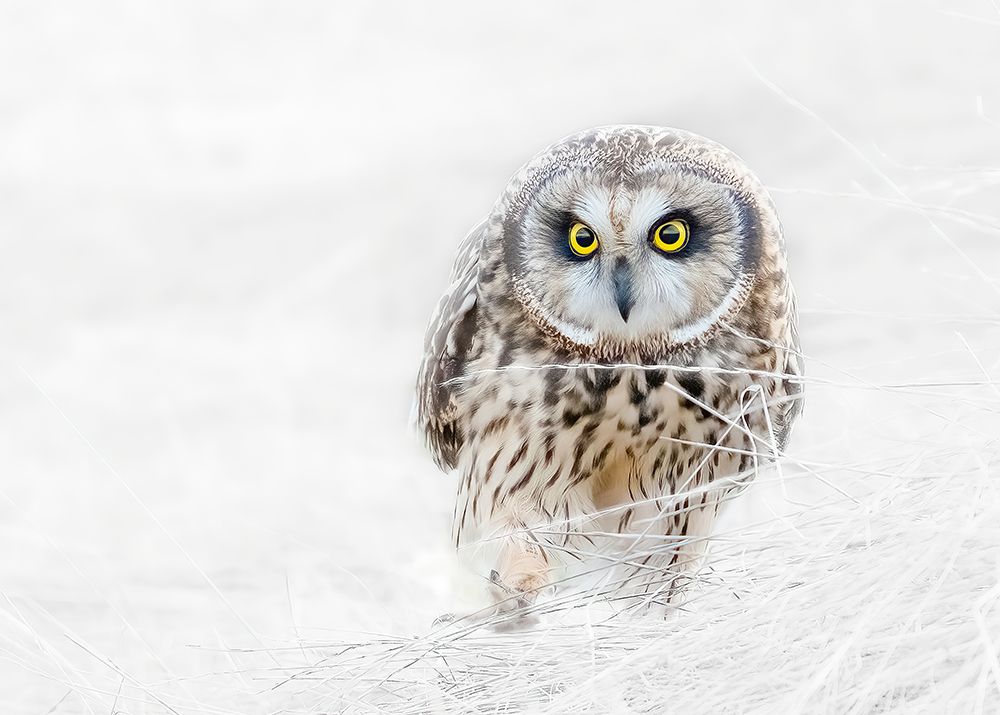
(223, 227)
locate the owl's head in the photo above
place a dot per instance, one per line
(632, 238)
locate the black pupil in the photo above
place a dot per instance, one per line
(670, 233)
(584, 238)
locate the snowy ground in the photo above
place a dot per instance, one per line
(223, 227)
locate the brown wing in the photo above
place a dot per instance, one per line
(448, 346)
(788, 411)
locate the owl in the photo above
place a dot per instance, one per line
(615, 358)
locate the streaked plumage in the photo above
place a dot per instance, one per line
(599, 408)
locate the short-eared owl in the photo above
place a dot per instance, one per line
(617, 353)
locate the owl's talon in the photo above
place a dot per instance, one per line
(497, 582)
(510, 610)
(444, 619)
(520, 595)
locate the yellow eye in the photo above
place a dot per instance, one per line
(582, 240)
(671, 236)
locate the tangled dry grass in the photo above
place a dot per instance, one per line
(885, 600)
(878, 594)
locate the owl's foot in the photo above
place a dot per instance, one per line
(515, 596)
(521, 575)
(517, 592)
(512, 601)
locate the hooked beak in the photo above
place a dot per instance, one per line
(621, 277)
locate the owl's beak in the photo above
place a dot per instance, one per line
(621, 276)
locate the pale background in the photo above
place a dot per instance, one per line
(224, 225)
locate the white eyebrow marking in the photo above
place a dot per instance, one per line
(649, 205)
(591, 205)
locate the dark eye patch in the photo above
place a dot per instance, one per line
(747, 228)
(558, 224)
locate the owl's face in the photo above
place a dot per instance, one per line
(631, 251)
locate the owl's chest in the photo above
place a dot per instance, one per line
(632, 401)
(571, 425)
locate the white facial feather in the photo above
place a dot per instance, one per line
(674, 297)
(663, 288)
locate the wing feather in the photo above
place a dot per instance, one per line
(450, 343)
